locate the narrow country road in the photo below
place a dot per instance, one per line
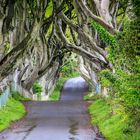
(66, 119)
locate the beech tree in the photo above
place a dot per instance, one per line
(36, 35)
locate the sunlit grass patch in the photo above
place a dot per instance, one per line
(55, 96)
(89, 96)
(14, 110)
(111, 125)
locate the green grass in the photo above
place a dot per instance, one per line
(16, 95)
(89, 96)
(112, 126)
(14, 110)
(55, 96)
(67, 71)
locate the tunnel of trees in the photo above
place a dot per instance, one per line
(38, 37)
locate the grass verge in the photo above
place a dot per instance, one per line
(112, 126)
(55, 96)
(17, 96)
(14, 110)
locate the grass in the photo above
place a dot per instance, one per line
(89, 96)
(112, 126)
(14, 110)
(55, 96)
(17, 96)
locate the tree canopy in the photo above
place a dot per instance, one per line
(37, 37)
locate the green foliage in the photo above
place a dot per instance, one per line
(126, 62)
(124, 54)
(89, 96)
(7, 47)
(55, 96)
(16, 95)
(112, 126)
(37, 89)
(67, 71)
(106, 78)
(136, 7)
(124, 90)
(49, 9)
(104, 34)
(110, 40)
(14, 110)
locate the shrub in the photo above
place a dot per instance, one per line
(37, 89)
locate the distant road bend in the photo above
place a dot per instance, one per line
(66, 119)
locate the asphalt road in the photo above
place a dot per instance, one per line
(66, 119)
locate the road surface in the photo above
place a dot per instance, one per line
(66, 119)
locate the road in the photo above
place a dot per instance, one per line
(66, 119)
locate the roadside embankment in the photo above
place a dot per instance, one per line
(13, 111)
(112, 125)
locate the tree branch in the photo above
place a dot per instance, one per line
(96, 18)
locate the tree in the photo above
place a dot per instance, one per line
(47, 30)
